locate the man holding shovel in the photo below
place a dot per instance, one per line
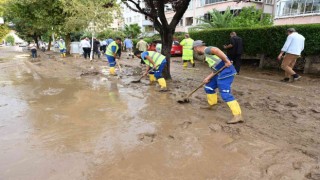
(216, 60)
(157, 62)
(111, 54)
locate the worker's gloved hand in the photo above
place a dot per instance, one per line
(228, 63)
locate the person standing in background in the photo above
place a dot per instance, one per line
(142, 45)
(235, 50)
(62, 47)
(187, 53)
(85, 45)
(293, 47)
(129, 45)
(33, 48)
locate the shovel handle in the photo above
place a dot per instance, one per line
(147, 73)
(202, 84)
(118, 63)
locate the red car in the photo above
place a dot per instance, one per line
(176, 48)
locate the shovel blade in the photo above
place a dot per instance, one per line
(135, 81)
(182, 101)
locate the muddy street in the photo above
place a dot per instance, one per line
(66, 118)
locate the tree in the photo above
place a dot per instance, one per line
(10, 39)
(80, 13)
(252, 17)
(34, 18)
(217, 20)
(132, 30)
(155, 11)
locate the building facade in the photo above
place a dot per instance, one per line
(200, 8)
(131, 17)
(297, 12)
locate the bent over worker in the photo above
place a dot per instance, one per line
(187, 51)
(156, 61)
(216, 60)
(111, 54)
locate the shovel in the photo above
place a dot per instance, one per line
(139, 80)
(186, 99)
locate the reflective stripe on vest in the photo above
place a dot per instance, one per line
(188, 45)
(156, 57)
(62, 45)
(109, 48)
(212, 60)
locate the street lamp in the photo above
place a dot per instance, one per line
(92, 29)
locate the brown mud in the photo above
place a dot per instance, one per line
(68, 119)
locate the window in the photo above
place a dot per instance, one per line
(190, 4)
(269, 1)
(212, 1)
(180, 22)
(189, 21)
(297, 7)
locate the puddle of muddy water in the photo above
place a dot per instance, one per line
(104, 128)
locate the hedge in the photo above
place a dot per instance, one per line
(262, 40)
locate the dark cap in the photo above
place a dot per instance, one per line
(198, 43)
(291, 30)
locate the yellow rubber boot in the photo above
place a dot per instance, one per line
(112, 71)
(152, 78)
(236, 111)
(64, 54)
(185, 65)
(192, 62)
(212, 100)
(163, 84)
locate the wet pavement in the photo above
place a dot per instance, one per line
(96, 127)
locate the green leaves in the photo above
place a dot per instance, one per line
(262, 40)
(248, 17)
(132, 30)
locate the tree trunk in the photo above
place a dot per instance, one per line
(49, 44)
(166, 38)
(68, 42)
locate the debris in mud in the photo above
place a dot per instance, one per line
(314, 174)
(290, 104)
(231, 130)
(185, 124)
(88, 73)
(147, 137)
(171, 137)
(215, 127)
(315, 110)
(51, 91)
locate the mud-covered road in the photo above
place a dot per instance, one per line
(63, 119)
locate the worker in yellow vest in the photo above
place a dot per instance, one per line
(187, 51)
(62, 47)
(111, 54)
(156, 61)
(216, 60)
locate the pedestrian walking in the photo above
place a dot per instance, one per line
(216, 60)
(86, 46)
(128, 45)
(33, 48)
(103, 46)
(187, 51)
(62, 47)
(111, 54)
(292, 48)
(235, 50)
(142, 45)
(96, 47)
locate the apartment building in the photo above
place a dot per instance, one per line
(200, 8)
(297, 12)
(283, 11)
(131, 17)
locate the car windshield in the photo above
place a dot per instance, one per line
(175, 43)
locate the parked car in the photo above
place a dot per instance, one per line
(176, 49)
(23, 44)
